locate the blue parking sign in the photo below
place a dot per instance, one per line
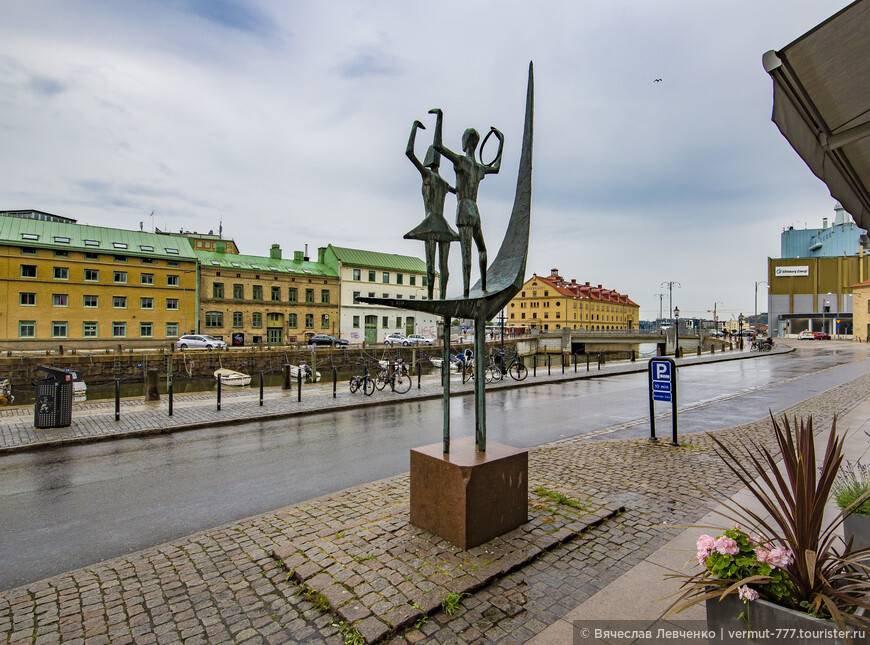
(661, 377)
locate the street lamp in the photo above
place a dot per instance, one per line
(677, 332)
(671, 284)
(740, 321)
(825, 309)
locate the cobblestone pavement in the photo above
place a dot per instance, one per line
(95, 420)
(223, 586)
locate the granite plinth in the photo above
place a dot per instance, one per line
(469, 497)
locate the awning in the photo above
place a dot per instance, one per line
(821, 104)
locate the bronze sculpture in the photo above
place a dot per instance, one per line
(434, 229)
(469, 174)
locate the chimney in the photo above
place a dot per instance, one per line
(599, 286)
(275, 252)
(824, 223)
(297, 256)
(587, 283)
(305, 257)
(321, 254)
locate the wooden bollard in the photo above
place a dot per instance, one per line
(152, 391)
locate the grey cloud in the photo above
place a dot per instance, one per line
(370, 61)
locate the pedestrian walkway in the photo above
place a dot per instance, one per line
(603, 532)
(95, 420)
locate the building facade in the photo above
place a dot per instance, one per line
(256, 300)
(550, 303)
(88, 286)
(379, 275)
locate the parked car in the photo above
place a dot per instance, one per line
(200, 341)
(396, 339)
(420, 339)
(820, 335)
(327, 340)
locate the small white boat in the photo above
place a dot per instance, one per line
(307, 373)
(233, 378)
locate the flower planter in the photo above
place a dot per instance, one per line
(765, 618)
(859, 526)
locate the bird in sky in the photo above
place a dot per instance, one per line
(658, 80)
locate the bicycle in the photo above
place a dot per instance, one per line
(396, 374)
(514, 367)
(362, 382)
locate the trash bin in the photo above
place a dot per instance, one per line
(52, 406)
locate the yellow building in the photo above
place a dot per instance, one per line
(550, 303)
(861, 311)
(88, 286)
(248, 299)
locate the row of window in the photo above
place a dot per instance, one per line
(217, 293)
(27, 250)
(385, 277)
(587, 317)
(93, 275)
(546, 304)
(357, 294)
(91, 329)
(215, 319)
(27, 299)
(385, 321)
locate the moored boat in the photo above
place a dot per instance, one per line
(233, 378)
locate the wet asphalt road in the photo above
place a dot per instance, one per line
(68, 507)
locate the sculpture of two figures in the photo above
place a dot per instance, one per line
(434, 229)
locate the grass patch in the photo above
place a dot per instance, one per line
(560, 498)
(450, 602)
(363, 558)
(320, 602)
(350, 635)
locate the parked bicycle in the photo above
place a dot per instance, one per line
(762, 345)
(514, 366)
(362, 382)
(396, 374)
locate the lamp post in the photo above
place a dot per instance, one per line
(676, 332)
(671, 284)
(825, 309)
(740, 321)
(756, 295)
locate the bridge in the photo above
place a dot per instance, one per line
(576, 341)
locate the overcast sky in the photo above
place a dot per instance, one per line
(287, 121)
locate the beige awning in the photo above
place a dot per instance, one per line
(821, 104)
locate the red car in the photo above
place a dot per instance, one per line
(820, 335)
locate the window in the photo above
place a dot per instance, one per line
(172, 263)
(26, 250)
(61, 273)
(89, 329)
(324, 296)
(172, 330)
(355, 295)
(144, 247)
(171, 251)
(412, 280)
(172, 280)
(238, 292)
(59, 300)
(400, 278)
(238, 319)
(385, 295)
(58, 329)
(356, 322)
(27, 329)
(385, 322)
(398, 322)
(276, 294)
(425, 280)
(309, 321)
(217, 290)
(386, 277)
(29, 236)
(120, 277)
(172, 304)
(256, 320)
(324, 321)
(92, 275)
(61, 240)
(92, 256)
(309, 295)
(146, 303)
(27, 299)
(356, 274)
(92, 243)
(119, 329)
(372, 276)
(120, 258)
(292, 295)
(258, 292)
(371, 294)
(61, 254)
(291, 320)
(90, 302)
(119, 245)
(119, 302)
(147, 260)
(214, 319)
(147, 278)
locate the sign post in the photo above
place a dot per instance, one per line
(663, 387)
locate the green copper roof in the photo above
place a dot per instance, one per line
(263, 263)
(20, 231)
(375, 260)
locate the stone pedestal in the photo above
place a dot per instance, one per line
(469, 497)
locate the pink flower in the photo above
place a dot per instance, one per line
(747, 594)
(762, 555)
(780, 557)
(705, 544)
(726, 546)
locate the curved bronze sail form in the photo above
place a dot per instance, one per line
(505, 276)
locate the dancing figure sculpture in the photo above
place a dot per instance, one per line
(434, 229)
(469, 174)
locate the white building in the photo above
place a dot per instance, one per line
(379, 275)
